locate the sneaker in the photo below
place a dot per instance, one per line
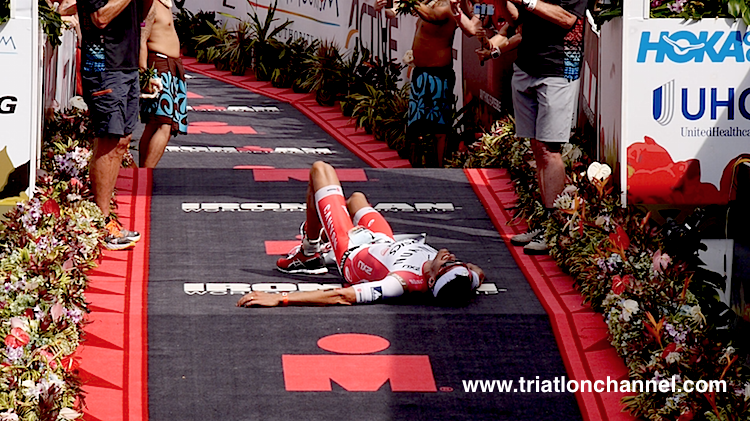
(538, 245)
(298, 262)
(116, 240)
(131, 235)
(525, 238)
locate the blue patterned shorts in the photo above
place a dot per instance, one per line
(170, 106)
(431, 103)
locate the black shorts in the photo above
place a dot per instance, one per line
(112, 98)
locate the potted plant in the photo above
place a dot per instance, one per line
(189, 25)
(365, 111)
(215, 39)
(393, 120)
(324, 76)
(291, 56)
(265, 46)
(237, 48)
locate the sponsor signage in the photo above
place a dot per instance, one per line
(249, 149)
(353, 366)
(233, 109)
(235, 288)
(685, 107)
(20, 111)
(214, 207)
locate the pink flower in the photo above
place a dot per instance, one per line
(49, 357)
(660, 261)
(17, 338)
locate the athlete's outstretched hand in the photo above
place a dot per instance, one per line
(260, 299)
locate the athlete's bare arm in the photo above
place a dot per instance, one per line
(340, 296)
(551, 12)
(107, 13)
(436, 14)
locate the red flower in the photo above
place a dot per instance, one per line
(620, 238)
(51, 207)
(69, 363)
(49, 357)
(619, 284)
(17, 338)
(670, 349)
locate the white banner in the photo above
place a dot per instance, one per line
(19, 100)
(674, 105)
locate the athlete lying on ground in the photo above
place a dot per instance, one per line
(374, 265)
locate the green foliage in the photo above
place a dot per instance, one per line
(659, 307)
(4, 11)
(324, 73)
(47, 244)
(291, 57)
(266, 48)
(189, 25)
(51, 22)
(685, 9)
(237, 47)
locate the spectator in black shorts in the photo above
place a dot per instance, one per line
(109, 72)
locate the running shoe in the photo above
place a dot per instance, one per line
(297, 262)
(538, 245)
(118, 238)
(526, 237)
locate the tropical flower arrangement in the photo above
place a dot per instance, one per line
(659, 307)
(47, 244)
(685, 9)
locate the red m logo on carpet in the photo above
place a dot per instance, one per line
(357, 373)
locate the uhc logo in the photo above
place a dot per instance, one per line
(697, 103)
(686, 46)
(663, 103)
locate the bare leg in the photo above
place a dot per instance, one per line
(321, 175)
(356, 201)
(440, 145)
(550, 171)
(152, 144)
(104, 168)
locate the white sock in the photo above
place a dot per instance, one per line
(310, 247)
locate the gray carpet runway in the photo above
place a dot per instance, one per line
(209, 360)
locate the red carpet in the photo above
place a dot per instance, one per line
(113, 355)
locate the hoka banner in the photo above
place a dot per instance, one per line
(685, 107)
(19, 101)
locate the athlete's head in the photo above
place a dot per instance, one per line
(453, 282)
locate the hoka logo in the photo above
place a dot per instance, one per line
(686, 46)
(663, 103)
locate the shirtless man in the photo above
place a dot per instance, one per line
(431, 103)
(165, 114)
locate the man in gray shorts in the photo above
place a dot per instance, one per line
(545, 90)
(109, 73)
